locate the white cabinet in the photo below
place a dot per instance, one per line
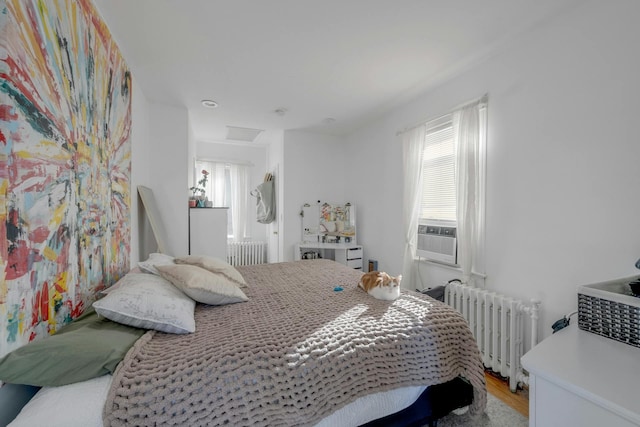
(351, 257)
(581, 379)
(208, 232)
(344, 253)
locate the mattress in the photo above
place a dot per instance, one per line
(57, 407)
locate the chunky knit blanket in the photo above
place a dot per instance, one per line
(297, 351)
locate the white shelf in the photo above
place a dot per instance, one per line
(311, 245)
(349, 254)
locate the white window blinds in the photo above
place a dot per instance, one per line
(438, 171)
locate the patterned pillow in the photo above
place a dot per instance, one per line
(214, 265)
(203, 285)
(150, 302)
(155, 259)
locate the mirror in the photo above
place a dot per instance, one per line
(329, 223)
(155, 219)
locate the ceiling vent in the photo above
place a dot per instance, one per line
(242, 134)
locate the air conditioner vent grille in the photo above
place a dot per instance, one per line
(437, 243)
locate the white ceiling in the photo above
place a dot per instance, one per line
(349, 60)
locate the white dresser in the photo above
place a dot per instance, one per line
(208, 232)
(581, 379)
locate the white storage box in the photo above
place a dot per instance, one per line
(609, 309)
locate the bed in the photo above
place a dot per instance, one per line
(308, 347)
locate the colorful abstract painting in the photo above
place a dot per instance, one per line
(65, 120)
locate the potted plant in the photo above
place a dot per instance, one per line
(198, 199)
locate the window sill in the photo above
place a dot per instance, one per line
(452, 267)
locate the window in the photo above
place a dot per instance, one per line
(444, 182)
(229, 187)
(438, 171)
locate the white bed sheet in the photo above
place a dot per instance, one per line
(80, 404)
(372, 407)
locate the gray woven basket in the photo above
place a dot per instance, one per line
(609, 309)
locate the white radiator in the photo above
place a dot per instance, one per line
(498, 324)
(246, 253)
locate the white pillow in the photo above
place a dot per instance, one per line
(214, 265)
(202, 285)
(46, 408)
(155, 259)
(148, 301)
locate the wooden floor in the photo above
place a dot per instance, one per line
(500, 389)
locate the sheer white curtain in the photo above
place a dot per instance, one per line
(228, 186)
(239, 180)
(469, 132)
(412, 156)
(218, 188)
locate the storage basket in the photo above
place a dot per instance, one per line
(609, 309)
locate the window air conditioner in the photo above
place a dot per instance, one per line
(437, 242)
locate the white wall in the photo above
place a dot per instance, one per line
(374, 175)
(154, 151)
(563, 176)
(192, 144)
(168, 174)
(314, 169)
(256, 155)
(275, 160)
(140, 172)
